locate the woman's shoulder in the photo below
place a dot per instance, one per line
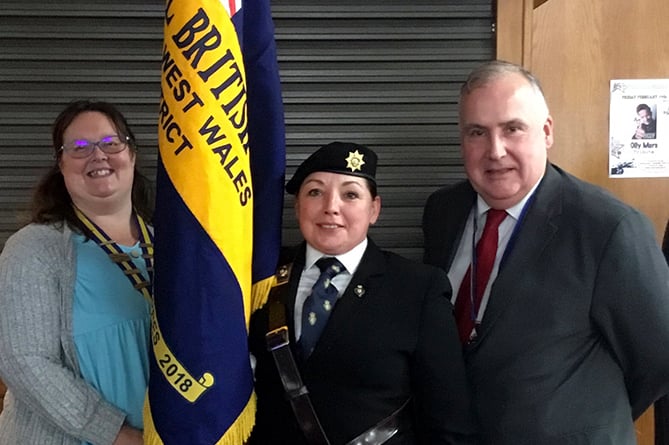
(411, 267)
(414, 283)
(36, 236)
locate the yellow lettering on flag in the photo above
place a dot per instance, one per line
(175, 373)
(203, 71)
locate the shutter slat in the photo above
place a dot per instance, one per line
(385, 73)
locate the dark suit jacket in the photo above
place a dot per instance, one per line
(573, 343)
(662, 404)
(397, 340)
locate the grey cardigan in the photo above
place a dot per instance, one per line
(47, 401)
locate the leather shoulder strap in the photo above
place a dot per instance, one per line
(277, 297)
(278, 343)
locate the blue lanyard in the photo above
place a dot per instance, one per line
(516, 229)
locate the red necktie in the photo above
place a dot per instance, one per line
(486, 251)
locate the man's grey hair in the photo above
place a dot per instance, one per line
(490, 71)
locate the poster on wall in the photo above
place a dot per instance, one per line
(639, 128)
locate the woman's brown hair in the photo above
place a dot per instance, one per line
(51, 201)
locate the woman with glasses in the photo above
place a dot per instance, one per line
(75, 292)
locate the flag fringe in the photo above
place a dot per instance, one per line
(260, 292)
(240, 430)
(237, 434)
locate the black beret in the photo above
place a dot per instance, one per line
(346, 158)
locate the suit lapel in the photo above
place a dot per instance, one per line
(454, 219)
(532, 238)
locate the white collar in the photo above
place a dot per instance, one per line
(514, 211)
(350, 259)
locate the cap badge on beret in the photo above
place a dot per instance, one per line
(344, 158)
(354, 161)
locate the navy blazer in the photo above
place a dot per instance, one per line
(573, 344)
(396, 340)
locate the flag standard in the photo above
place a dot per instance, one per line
(217, 224)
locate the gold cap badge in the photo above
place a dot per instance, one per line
(354, 160)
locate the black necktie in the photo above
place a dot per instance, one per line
(319, 304)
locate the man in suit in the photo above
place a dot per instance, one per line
(568, 343)
(390, 336)
(661, 405)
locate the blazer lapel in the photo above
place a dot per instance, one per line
(532, 238)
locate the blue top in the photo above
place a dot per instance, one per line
(111, 328)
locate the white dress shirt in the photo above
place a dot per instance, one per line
(463, 256)
(311, 272)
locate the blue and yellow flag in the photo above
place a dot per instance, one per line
(219, 200)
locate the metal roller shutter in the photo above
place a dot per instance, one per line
(384, 73)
